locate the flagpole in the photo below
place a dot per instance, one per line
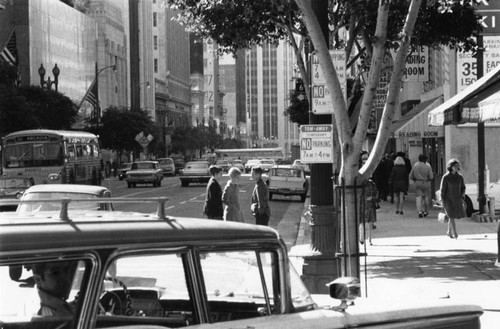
(94, 82)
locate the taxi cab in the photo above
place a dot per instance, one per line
(134, 270)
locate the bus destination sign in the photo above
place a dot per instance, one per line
(316, 143)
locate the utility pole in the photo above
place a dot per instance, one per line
(320, 263)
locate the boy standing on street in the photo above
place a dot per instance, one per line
(213, 201)
(260, 198)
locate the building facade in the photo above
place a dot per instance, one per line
(269, 73)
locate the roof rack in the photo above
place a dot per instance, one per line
(63, 214)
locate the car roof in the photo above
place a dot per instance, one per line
(146, 161)
(288, 167)
(77, 188)
(100, 229)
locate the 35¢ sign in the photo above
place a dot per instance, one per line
(316, 143)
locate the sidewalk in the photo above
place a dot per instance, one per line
(412, 257)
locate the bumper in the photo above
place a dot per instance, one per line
(287, 191)
(200, 179)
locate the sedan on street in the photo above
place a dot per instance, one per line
(144, 172)
(195, 172)
(40, 196)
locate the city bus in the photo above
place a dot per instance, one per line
(52, 156)
(275, 153)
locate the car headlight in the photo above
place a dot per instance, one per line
(53, 177)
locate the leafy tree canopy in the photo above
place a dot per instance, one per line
(241, 24)
(119, 126)
(34, 108)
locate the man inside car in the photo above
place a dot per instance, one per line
(54, 281)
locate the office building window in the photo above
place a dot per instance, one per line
(156, 65)
(154, 19)
(155, 42)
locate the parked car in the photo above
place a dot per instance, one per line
(251, 163)
(136, 270)
(224, 164)
(195, 172)
(266, 164)
(123, 170)
(13, 188)
(288, 180)
(168, 166)
(39, 197)
(238, 164)
(144, 172)
(471, 194)
(303, 165)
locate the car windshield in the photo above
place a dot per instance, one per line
(166, 162)
(285, 172)
(145, 165)
(56, 206)
(197, 165)
(125, 165)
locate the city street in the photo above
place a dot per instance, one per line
(188, 202)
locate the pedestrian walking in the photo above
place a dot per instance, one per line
(368, 211)
(232, 211)
(399, 183)
(421, 174)
(260, 198)
(381, 177)
(452, 196)
(213, 199)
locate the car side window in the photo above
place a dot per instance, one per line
(46, 292)
(149, 287)
(239, 284)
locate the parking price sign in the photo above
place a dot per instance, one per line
(316, 143)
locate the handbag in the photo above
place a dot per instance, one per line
(443, 217)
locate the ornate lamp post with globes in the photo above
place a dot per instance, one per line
(47, 84)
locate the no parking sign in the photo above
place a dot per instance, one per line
(316, 143)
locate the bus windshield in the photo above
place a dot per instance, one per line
(33, 155)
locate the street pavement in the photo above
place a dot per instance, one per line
(413, 258)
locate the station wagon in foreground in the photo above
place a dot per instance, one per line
(152, 271)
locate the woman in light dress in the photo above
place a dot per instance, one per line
(230, 198)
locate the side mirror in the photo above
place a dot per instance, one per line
(347, 289)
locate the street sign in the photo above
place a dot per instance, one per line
(316, 143)
(321, 99)
(144, 140)
(490, 10)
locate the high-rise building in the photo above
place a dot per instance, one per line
(49, 33)
(269, 73)
(112, 52)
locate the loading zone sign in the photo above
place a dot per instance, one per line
(316, 143)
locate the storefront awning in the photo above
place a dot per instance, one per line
(461, 108)
(414, 123)
(489, 109)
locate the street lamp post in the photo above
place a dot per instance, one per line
(47, 84)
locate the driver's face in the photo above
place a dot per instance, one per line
(57, 279)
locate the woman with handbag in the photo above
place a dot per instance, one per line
(452, 196)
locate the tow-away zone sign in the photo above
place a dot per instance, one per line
(316, 144)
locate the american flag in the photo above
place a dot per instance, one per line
(9, 52)
(92, 95)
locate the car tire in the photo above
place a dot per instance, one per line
(303, 198)
(270, 196)
(159, 183)
(129, 185)
(184, 183)
(134, 185)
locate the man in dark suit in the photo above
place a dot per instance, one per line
(213, 201)
(260, 198)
